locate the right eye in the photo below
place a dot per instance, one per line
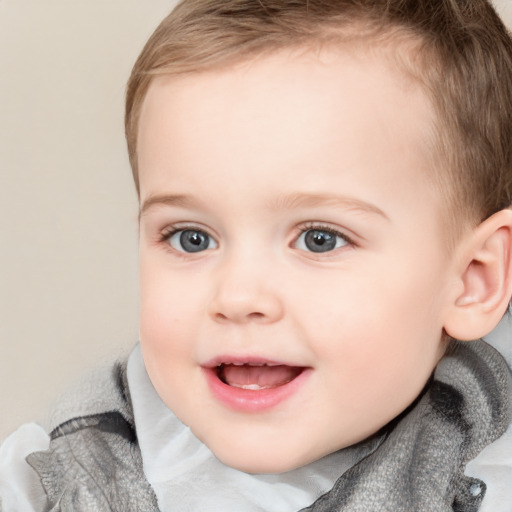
(191, 240)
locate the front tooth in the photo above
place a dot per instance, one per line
(237, 364)
(253, 387)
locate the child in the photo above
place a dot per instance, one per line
(324, 209)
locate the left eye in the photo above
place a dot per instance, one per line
(320, 240)
(191, 240)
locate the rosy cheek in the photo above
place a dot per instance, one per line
(154, 317)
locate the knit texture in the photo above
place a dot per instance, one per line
(94, 461)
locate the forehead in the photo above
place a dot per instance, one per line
(280, 113)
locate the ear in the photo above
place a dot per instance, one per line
(483, 280)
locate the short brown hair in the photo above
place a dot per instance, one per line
(463, 60)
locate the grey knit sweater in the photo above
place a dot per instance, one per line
(94, 462)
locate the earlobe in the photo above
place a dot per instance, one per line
(485, 279)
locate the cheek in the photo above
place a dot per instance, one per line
(377, 324)
(165, 331)
(165, 309)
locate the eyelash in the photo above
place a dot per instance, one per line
(327, 229)
(167, 233)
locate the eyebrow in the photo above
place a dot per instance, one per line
(166, 200)
(300, 200)
(284, 202)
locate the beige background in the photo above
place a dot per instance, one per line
(68, 211)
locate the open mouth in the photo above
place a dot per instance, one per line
(257, 376)
(253, 385)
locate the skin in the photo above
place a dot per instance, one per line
(258, 154)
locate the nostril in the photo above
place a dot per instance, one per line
(251, 316)
(245, 306)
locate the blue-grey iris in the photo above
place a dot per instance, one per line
(319, 241)
(194, 241)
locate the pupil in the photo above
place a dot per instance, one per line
(194, 241)
(319, 241)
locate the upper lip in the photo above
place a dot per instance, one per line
(249, 360)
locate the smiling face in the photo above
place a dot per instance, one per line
(293, 262)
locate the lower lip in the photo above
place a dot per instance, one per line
(253, 400)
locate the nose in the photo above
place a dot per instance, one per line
(246, 292)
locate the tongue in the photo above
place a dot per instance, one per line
(257, 377)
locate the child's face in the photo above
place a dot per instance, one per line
(287, 220)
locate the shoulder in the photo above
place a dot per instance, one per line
(102, 390)
(87, 461)
(20, 488)
(99, 398)
(493, 465)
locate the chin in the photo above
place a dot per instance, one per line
(258, 461)
(257, 467)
